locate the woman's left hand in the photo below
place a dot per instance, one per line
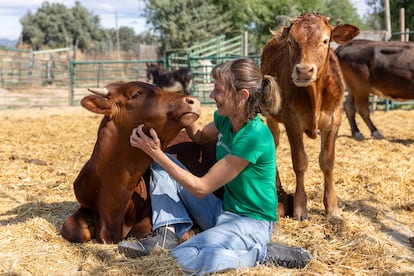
(150, 145)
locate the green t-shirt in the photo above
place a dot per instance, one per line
(253, 192)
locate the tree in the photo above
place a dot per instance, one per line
(258, 17)
(182, 23)
(85, 28)
(179, 24)
(53, 25)
(395, 7)
(129, 41)
(344, 12)
(376, 19)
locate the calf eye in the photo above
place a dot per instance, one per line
(136, 95)
(326, 41)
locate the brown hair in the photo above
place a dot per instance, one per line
(244, 73)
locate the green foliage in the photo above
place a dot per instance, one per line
(376, 18)
(53, 25)
(185, 22)
(395, 7)
(176, 24)
(343, 12)
(182, 23)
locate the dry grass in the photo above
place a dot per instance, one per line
(42, 150)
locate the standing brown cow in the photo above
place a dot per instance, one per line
(309, 76)
(113, 205)
(383, 68)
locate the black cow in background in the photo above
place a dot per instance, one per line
(177, 80)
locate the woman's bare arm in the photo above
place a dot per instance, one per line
(219, 175)
(202, 135)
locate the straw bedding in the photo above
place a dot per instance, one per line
(42, 151)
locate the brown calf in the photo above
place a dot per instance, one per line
(306, 68)
(113, 198)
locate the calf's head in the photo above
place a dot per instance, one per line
(308, 39)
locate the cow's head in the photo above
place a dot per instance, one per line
(128, 104)
(309, 37)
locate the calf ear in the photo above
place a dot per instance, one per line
(97, 104)
(344, 33)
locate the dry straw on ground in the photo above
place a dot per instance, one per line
(42, 150)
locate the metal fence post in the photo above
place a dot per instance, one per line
(71, 82)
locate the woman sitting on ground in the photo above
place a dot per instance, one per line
(236, 231)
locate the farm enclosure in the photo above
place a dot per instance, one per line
(43, 150)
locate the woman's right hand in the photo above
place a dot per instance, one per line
(150, 145)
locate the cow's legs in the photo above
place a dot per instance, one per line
(326, 162)
(79, 227)
(111, 228)
(141, 229)
(350, 111)
(362, 104)
(300, 165)
(282, 207)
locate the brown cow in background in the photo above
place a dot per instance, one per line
(110, 187)
(312, 90)
(383, 68)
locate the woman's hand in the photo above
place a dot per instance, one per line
(150, 145)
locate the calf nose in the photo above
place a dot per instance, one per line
(192, 101)
(305, 70)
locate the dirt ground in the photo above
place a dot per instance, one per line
(43, 150)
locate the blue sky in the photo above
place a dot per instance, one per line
(128, 13)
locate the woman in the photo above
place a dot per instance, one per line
(237, 229)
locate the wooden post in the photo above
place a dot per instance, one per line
(402, 24)
(245, 44)
(387, 19)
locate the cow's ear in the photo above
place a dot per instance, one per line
(97, 104)
(344, 33)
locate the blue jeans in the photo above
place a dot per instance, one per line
(228, 240)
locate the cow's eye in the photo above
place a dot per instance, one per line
(326, 41)
(136, 94)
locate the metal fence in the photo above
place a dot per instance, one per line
(97, 74)
(33, 78)
(52, 78)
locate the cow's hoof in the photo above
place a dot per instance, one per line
(377, 135)
(358, 136)
(333, 212)
(302, 216)
(285, 206)
(281, 213)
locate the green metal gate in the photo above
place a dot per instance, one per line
(95, 74)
